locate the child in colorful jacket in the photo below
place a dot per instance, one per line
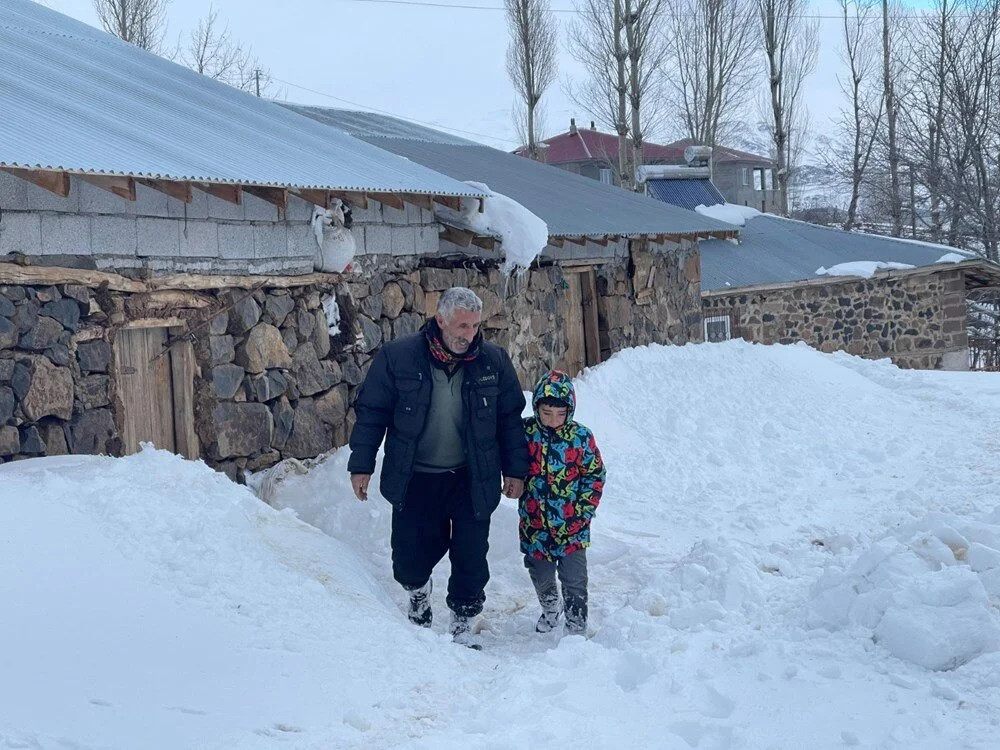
(562, 491)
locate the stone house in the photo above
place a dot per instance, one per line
(874, 296)
(156, 260)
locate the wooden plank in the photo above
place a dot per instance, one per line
(577, 240)
(390, 199)
(228, 193)
(144, 388)
(182, 367)
(123, 187)
(420, 201)
(319, 198)
(557, 241)
(11, 273)
(355, 199)
(273, 195)
(175, 189)
(576, 352)
(591, 332)
(487, 243)
(450, 201)
(153, 323)
(457, 236)
(54, 182)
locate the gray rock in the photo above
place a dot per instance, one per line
(371, 334)
(437, 279)
(321, 334)
(6, 307)
(289, 337)
(221, 350)
(42, 335)
(283, 415)
(277, 307)
(94, 356)
(58, 354)
(10, 441)
(50, 392)
(408, 296)
(8, 333)
(244, 315)
(309, 436)
(331, 407)
(20, 380)
(78, 292)
(13, 293)
(31, 441)
(6, 368)
(268, 386)
(226, 380)
(93, 391)
(334, 370)
(310, 377)
(372, 306)
(219, 324)
(263, 349)
(92, 431)
(66, 311)
(47, 294)
(393, 300)
(406, 324)
(241, 429)
(6, 404)
(54, 435)
(306, 324)
(26, 316)
(352, 373)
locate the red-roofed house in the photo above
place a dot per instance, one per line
(743, 178)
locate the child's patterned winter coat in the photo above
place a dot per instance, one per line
(565, 482)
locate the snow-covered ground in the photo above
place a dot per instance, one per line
(794, 550)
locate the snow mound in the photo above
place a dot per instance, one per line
(729, 213)
(864, 268)
(523, 234)
(923, 592)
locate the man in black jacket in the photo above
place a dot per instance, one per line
(449, 407)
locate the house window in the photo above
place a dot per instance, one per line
(717, 328)
(606, 177)
(769, 179)
(758, 179)
(745, 176)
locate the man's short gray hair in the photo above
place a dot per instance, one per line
(458, 298)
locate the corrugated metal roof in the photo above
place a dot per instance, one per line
(77, 99)
(685, 193)
(774, 250)
(371, 125)
(571, 205)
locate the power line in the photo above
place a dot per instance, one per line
(393, 114)
(460, 6)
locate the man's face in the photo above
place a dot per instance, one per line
(459, 329)
(553, 416)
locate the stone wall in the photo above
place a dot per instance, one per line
(916, 319)
(272, 381)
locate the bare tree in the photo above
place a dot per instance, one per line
(211, 51)
(859, 122)
(892, 105)
(791, 46)
(713, 67)
(620, 46)
(139, 22)
(531, 60)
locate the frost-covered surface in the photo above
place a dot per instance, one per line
(523, 234)
(954, 258)
(795, 550)
(729, 212)
(864, 268)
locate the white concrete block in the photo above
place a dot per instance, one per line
(94, 200)
(235, 241)
(270, 241)
(404, 240)
(298, 209)
(40, 199)
(13, 192)
(258, 209)
(392, 215)
(196, 209)
(300, 242)
(20, 233)
(114, 236)
(428, 242)
(151, 202)
(378, 239)
(199, 239)
(158, 237)
(220, 209)
(65, 235)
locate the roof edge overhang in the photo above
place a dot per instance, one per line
(990, 272)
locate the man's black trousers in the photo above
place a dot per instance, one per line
(436, 518)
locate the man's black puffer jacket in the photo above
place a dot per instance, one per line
(395, 397)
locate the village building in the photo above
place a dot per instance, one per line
(158, 251)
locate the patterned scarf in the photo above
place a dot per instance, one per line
(441, 353)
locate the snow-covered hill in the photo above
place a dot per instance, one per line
(794, 550)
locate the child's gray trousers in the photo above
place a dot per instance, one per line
(572, 572)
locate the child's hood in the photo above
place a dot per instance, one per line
(555, 384)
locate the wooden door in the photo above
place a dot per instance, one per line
(579, 312)
(156, 391)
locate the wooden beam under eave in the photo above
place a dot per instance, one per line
(54, 182)
(450, 201)
(179, 190)
(486, 243)
(420, 201)
(390, 199)
(273, 195)
(225, 191)
(577, 240)
(602, 241)
(556, 241)
(319, 198)
(123, 187)
(457, 236)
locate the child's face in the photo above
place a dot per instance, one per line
(552, 416)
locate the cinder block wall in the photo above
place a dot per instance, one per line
(92, 228)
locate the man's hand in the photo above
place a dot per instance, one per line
(513, 487)
(360, 484)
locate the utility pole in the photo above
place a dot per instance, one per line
(256, 75)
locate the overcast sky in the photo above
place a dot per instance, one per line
(442, 66)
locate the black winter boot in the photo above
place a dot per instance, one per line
(420, 605)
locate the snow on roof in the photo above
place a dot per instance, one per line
(76, 99)
(571, 205)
